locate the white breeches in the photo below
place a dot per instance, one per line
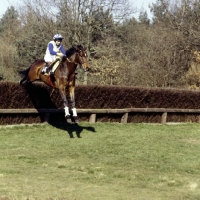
(49, 58)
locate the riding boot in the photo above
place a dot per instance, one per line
(49, 68)
(51, 73)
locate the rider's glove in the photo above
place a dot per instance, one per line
(60, 55)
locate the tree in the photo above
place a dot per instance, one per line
(143, 18)
(9, 22)
(9, 30)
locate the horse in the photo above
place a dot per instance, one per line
(64, 76)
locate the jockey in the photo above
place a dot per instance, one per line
(54, 53)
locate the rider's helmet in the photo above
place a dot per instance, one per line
(58, 37)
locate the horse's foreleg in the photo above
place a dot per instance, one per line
(72, 99)
(64, 98)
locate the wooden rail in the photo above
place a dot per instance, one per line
(94, 112)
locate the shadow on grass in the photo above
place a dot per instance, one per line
(73, 128)
(40, 97)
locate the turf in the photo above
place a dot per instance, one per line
(109, 161)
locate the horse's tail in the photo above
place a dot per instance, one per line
(25, 72)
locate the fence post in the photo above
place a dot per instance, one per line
(164, 118)
(124, 118)
(92, 118)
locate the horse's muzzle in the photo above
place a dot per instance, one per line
(87, 69)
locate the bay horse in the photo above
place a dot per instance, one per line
(64, 76)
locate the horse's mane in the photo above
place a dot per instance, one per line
(69, 52)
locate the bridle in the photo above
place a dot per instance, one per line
(82, 54)
(80, 57)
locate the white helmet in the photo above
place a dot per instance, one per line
(57, 37)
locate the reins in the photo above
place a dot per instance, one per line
(71, 61)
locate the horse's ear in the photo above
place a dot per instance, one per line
(75, 47)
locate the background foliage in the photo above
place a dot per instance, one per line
(123, 50)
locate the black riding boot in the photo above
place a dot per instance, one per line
(51, 73)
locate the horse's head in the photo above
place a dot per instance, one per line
(82, 57)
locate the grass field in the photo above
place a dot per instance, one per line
(108, 161)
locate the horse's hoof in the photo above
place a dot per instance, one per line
(68, 118)
(76, 120)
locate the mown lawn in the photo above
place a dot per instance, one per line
(109, 161)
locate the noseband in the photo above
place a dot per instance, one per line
(82, 54)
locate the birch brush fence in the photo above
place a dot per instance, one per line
(36, 103)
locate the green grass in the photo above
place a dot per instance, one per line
(110, 161)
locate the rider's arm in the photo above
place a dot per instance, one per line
(62, 50)
(50, 46)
